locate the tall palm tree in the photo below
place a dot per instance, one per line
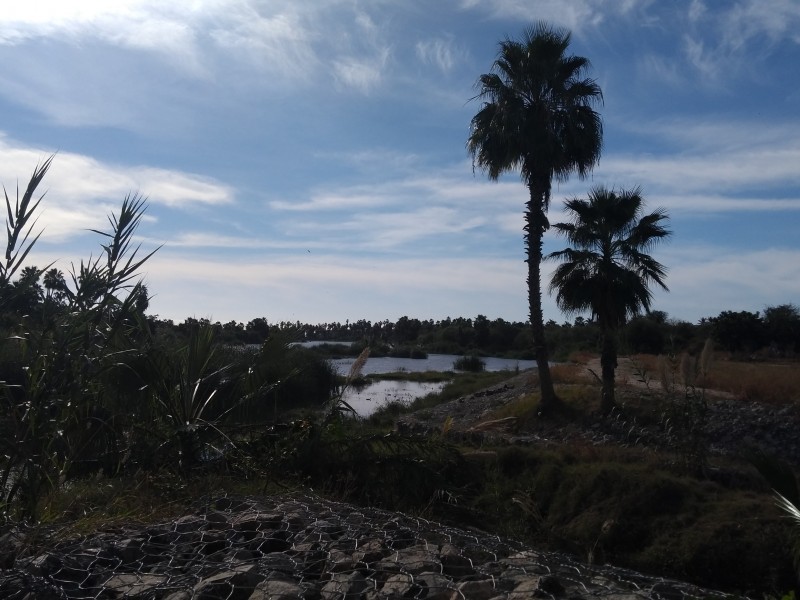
(537, 117)
(607, 270)
(55, 284)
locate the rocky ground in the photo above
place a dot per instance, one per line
(299, 546)
(733, 427)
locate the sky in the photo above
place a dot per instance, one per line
(306, 161)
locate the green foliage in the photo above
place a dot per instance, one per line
(55, 415)
(786, 488)
(607, 271)
(592, 503)
(645, 336)
(19, 226)
(472, 363)
(782, 324)
(537, 117)
(685, 417)
(741, 331)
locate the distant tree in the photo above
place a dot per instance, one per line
(741, 331)
(406, 330)
(25, 294)
(257, 330)
(783, 327)
(55, 285)
(645, 336)
(607, 270)
(537, 117)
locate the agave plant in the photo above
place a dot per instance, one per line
(785, 488)
(194, 390)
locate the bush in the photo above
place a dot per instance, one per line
(472, 363)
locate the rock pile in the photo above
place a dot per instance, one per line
(300, 546)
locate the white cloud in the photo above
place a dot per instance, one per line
(729, 39)
(289, 288)
(397, 230)
(731, 159)
(439, 52)
(575, 15)
(83, 189)
(341, 200)
(749, 19)
(704, 280)
(361, 74)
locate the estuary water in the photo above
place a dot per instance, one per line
(434, 362)
(365, 400)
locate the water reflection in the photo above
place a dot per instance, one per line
(434, 362)
(367, 399)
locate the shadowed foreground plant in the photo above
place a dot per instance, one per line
(194, 391)
(338, 407)
(19, 225)
(537, 117)
(686, 413)
(607, 269)
(786, 489)
(56, 414)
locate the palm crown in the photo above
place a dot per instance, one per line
(608, 270)
(537, 117)
(537, 114)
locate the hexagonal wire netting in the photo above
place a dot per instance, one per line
(301, 546)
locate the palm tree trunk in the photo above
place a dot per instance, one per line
(535, 225)
(608, 365)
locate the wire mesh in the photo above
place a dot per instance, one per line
(301, 546)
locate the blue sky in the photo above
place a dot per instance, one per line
(306, 160)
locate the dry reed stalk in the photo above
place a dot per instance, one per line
(664, 374)
(358, 365)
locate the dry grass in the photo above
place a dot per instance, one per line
(775, 383)
(568, 373)
(767, 383)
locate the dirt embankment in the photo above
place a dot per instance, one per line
(733, 427)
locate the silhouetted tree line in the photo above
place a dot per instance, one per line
(775, 331)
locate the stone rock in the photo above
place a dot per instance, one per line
(551, 585)
(344, 586)
(371, 550)
(482, 589)
(417, 560)
(400, 585)
(340, 562)
(132, 585)
(277, 589)
(437, 587)
(235, 584)
(456, 565)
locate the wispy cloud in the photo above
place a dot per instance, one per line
(361, 74)
(290, 287)
(84, 188)
(215, 240)
(706, 279)
(397, 230)
(575, 15)
(733, 159)
(723, 42)
(439, 52)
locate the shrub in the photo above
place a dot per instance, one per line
(472, 363)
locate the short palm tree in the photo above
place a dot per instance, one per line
(607, 270)
(537, 117)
